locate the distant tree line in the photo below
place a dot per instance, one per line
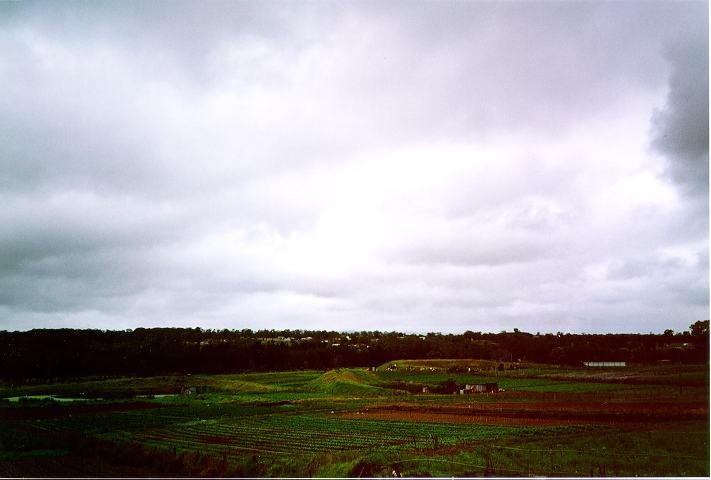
(65, 353)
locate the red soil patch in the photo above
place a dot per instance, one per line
(539, 413)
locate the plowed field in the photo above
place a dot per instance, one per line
(538, 413)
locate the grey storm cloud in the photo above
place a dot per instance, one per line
(372, 165)
(682, 127)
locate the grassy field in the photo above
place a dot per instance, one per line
(551, 421)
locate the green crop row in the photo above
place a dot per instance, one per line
(304, 434)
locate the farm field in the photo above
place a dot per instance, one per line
(551, 421)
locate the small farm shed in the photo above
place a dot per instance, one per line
(605, 364)
(479, 388)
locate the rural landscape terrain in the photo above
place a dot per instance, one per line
(354, 239)
(406, 417)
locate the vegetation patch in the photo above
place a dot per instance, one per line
(348, 381)
(349, 422)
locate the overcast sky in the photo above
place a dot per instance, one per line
(414, 166)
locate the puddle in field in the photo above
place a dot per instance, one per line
(76, 399)
(48, 397)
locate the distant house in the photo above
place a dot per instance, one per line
(605, 364)
(479, 388)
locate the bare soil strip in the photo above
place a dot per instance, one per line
(537, 413)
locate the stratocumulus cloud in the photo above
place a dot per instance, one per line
(436, 166)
